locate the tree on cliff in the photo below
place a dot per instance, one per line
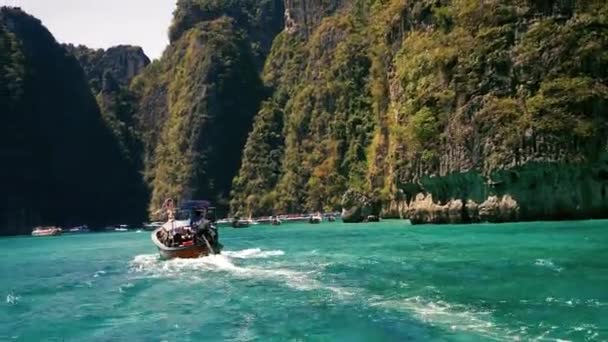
(61, 164)
(458, 99)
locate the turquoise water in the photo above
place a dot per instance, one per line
(330, 282)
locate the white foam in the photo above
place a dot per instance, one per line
(253, 253)
(456, 318)
(548, 264)
(152, 266)
(124, 287)
(12, 298)
(98, 274)
(575, 302)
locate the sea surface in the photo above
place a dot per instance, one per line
(387, 281)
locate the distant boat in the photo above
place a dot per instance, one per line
(275, 221)
(121, 230)
(315, 219)
(373, 218)
(238, 223)
(252, 221)
(153, 225)
(79, 230)
(226, 222)
(46, 231)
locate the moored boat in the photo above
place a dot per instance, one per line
(315, 219)
(275, 221)
(46, 231)
(188, 233)
(79, 230)
(153, 225)
(238, 223)
(372, 218)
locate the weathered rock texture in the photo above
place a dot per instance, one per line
(444, 111)
(197, 103)
(357, 207)
(122, 63)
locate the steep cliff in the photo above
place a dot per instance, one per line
(60, 163)
(444, 111)
(122, 62)
(198, 101)
(110, 73)
(435, 110)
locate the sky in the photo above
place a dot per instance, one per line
(104, 23)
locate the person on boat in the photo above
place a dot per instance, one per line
(178, 234)
(206, 232)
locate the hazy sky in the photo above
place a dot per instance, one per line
(104, 23)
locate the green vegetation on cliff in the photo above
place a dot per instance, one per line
(393, 98)
(110, 73)
(438, 110)
(60, 163)
(199, 100)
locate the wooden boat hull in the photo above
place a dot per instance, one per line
(192, 252)
(46, 234)
(187, 252)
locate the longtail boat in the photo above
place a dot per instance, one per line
(188, 233)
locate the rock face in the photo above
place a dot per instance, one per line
(60, 162)
(534, 191)
(122, 63)
(198, 101)
(423, 210)
(447, 111)
(302, 16)
(110, 73)
(450, 111)
(356, 207)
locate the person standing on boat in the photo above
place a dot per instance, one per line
(211, 228)
(195, 217)
(206, 231)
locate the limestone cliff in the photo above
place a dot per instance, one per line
(445, 111)
(198, 101)
(110, 73)
(435, 110)
(60, 163)
(122, 63)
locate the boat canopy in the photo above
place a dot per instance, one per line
(176, 224)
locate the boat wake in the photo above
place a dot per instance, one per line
(151, 265)
(448, 316)
(253, 253)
